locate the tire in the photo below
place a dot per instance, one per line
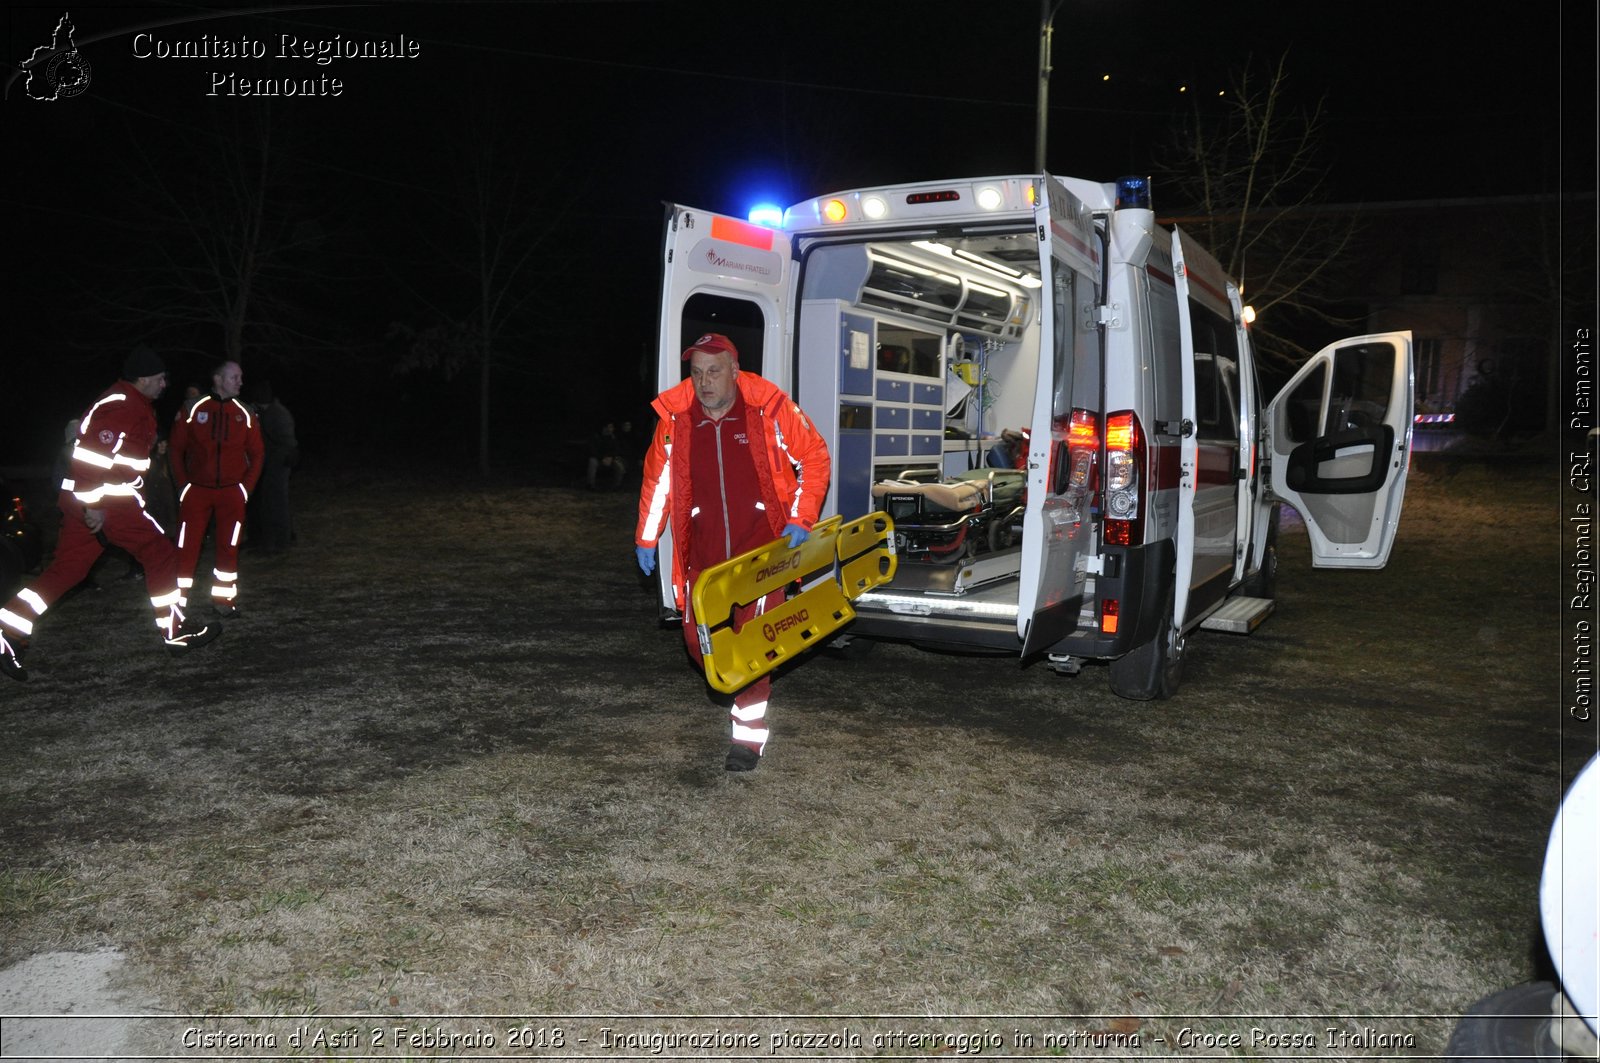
(1263, 583)
(1000, 537)
(1153, 671)
(1498, 1026)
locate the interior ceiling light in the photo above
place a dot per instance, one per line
(912, 267)
(987, 263)
(1024, 279)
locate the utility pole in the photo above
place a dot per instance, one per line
(1047, 17)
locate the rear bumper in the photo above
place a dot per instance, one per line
(971, 634)
(1135, 578)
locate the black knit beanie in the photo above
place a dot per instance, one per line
(142, 361)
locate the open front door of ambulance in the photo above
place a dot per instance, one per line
(1213, 516)
(719, 274)
(1339, 436)
(1055, 524)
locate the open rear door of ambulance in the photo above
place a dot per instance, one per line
(1055, 524)
(1339, 436)
(719, 274)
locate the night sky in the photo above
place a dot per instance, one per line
(591, 114)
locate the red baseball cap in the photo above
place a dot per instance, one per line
(713, 343)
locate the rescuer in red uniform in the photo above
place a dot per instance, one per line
(734, 464)
(216, 461)
(101, 505)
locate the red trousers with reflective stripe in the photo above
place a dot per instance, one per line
(747, 718)
(194, 514)
(126, 526)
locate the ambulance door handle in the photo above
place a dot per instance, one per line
(1184, 428)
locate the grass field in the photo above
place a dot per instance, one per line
(448, 764)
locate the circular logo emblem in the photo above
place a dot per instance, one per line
(68, 74)
(769, 632)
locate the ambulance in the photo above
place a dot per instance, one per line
(1043, 344)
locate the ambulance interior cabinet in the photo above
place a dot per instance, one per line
(908, 399)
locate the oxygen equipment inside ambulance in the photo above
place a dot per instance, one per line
(1054, 400)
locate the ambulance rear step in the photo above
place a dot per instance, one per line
(1240, 616)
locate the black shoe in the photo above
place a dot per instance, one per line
(11, 660)
(192, 637)
(741, 758)
(226, 612)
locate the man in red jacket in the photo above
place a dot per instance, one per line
(734, 464)
(101, 505)
(216, 461)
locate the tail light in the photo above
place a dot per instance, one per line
(1124, 480)
(1083, 443)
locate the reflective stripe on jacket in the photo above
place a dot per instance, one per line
(216, 443)
(112, 451)
(793, 465)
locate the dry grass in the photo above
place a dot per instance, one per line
(448, 765)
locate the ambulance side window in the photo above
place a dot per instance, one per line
(1362, 378)
(1301, 413)
(738, 319)
(1216, 368)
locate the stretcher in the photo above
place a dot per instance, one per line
(840, 561)
(955, 518)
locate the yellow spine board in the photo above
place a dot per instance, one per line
(838, 562)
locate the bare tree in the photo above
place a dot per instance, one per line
(497, 221)
(1250, 181)
(1543, 277)
(224, 242)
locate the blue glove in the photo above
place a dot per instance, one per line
(796, 534)
(647, 558)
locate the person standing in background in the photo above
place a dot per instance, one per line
(272, 522)
(216, 461)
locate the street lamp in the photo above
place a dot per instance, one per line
(1047, 18)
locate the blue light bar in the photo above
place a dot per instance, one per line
(766, 214)
(1133, 192)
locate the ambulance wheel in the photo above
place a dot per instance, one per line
(1000, 536)
(1511, 1024)
(1152, 672)
(1264, 583)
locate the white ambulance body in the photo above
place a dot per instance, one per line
(916, 323)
